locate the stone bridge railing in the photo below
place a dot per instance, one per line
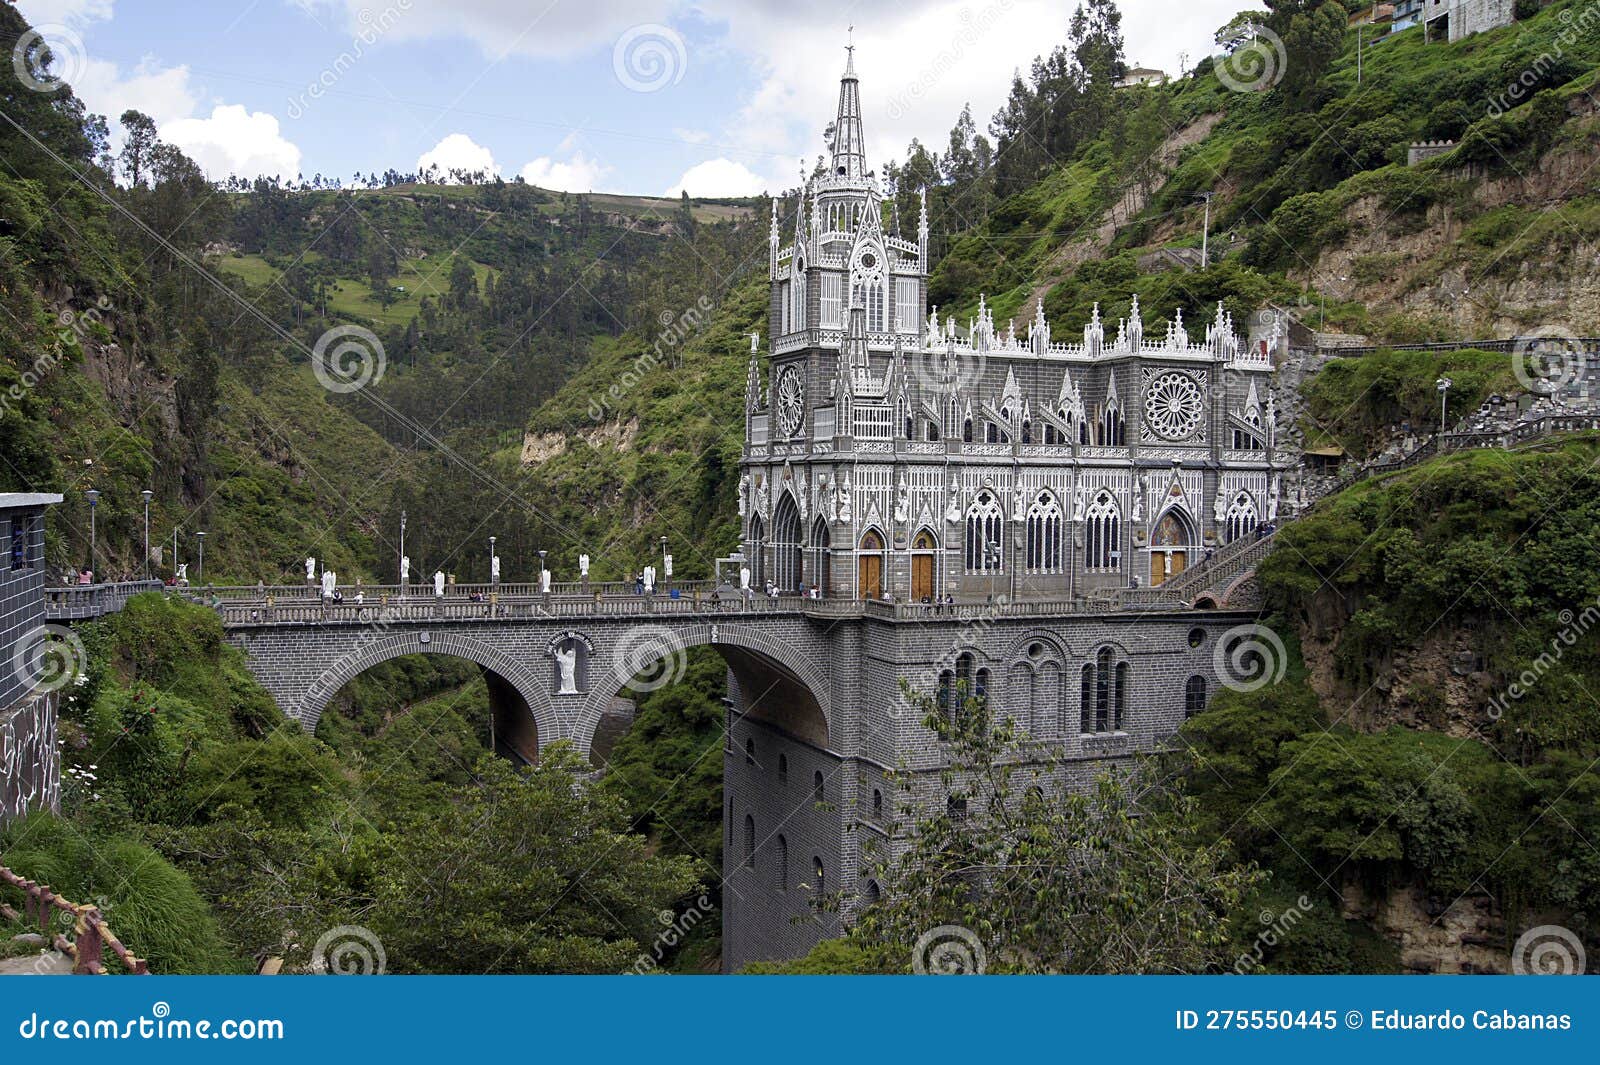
(82, 602)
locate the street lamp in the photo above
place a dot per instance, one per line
(1205, 230)
(93, 496)
(664, 556)
(401, 561)
(148, 495)
(1443, 385)
(201, 571)
(491, 560)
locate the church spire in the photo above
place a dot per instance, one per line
(849, 150)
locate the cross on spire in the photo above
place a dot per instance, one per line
(850, 49)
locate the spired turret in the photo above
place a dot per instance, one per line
(848, 143)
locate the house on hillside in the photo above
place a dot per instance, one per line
(1137, 75)
(1451, 20)
(1407, 13)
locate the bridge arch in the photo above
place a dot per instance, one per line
(781, 684)
(528, 712)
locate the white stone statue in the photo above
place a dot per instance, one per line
(803, 497)
(567, 669)
(330, 581)
(902, 502)
(761, 499)
(952, 513)
(438, 583)
(544, 581)
(311, 568)
(494, 569)
(1138, 500)
(744, 577)
(744, 492)
(1272, 500)
(583, 565)
(649, 578)
(405, 569)
(183, 573)
(1219, 512)
(844, 499)
(1080, 503)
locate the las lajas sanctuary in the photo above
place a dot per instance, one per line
(890, 456)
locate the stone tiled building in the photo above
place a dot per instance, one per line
(30, 770)
(890, 454)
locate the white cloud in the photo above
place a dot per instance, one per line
(163, 93)
(578, 174)
(457, 152)
(718, 177)
(235, 141)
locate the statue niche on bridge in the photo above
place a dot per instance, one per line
(570, 653)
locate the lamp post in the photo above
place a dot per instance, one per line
(1443, 385)
(1205, 231)
(663, 560)
(93, 496)
(400, 562)
(148, 495)
(492, 577)
(544, 587)
(201, 569)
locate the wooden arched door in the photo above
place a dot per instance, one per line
(869, 566)
(922, 549)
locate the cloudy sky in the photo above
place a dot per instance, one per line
(724, 97)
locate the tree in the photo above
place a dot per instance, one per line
(138, 141)
(524, 871)
(1115, 881)
(1312, 32)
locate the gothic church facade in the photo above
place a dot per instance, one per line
(891, 455)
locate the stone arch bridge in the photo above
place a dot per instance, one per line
(822, 748)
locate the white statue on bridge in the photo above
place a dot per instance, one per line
(438, 583)
(494, 569)
(544, 581)
(311, 568)
(405, 569)
(330, 582)
(583, 565)
(183, 573)
(567, 669)
(649, 578)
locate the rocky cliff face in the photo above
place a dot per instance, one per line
(1492, 284)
